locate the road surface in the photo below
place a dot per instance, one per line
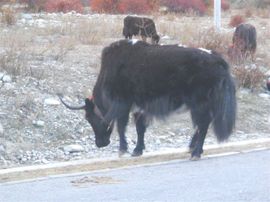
(241, 177)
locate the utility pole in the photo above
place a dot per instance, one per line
(217, 14)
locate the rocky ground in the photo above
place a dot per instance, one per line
(42, 55)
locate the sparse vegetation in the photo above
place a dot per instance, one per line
(8, 15)
(63, 6)
(248, 76)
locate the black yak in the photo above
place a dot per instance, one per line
(145, 27)
(158, 80)
(244, 42)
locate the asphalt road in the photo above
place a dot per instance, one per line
(240, 177)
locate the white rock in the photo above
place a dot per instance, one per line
(166, 37)
(2, 75)
(45, 161)
(27, 16)
(73, 148)
(2, 148)
(264, 95)
(7, 78)
(39, 123)
(1, 129)
(51, 101)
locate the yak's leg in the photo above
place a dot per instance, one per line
(122, 122)
(202, 119)
(193, 141)
(141, 125)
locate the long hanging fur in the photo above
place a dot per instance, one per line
(223, 104)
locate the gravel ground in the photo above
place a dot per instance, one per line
(36, 129)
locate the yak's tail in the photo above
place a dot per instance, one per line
(224, 108)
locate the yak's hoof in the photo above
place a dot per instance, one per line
(137, 153)
(195, 158)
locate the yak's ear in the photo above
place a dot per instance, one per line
(89, 104)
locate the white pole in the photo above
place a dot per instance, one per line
(217, 14)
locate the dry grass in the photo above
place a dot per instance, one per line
(8, 15)
(13, 58)
(56, 40)
(248, 76)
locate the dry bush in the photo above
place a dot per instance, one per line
(212, 40)
(13, 59)
(225, 5)
(262, 3)
(248, 13)
(90, 32)
(63, 6)
(34, 5)
(104, 6)
(263, 12)
(248, 76)
(236, 20)
(8, 15)
(134, 6)
(185, 6)
(15, 55)
(124, 6)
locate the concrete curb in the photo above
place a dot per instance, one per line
(31, 172)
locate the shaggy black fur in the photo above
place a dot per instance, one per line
(245, 40)
(158, 80)
(145, 27)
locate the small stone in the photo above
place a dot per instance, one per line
(264, 95)
(39, 123)
(27, 16)
(1, 129)
(7, 79)
(51, 101)
(45, 161)
(73, 148)
(2, 149)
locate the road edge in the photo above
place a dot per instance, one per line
(72, 167)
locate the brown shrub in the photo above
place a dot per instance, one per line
(248, 13)
(105, 6)
(134, 6)
(236, 20)
(198, 6)
(63, 6)
(8, 15)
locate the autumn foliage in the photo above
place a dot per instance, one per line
(134, 6)
(105, 6)
(63, 6)
(236, 20)
(198, 6)
(225, 5)
(148, 6)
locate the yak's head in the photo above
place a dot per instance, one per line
(94, 116)
(155, 39)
